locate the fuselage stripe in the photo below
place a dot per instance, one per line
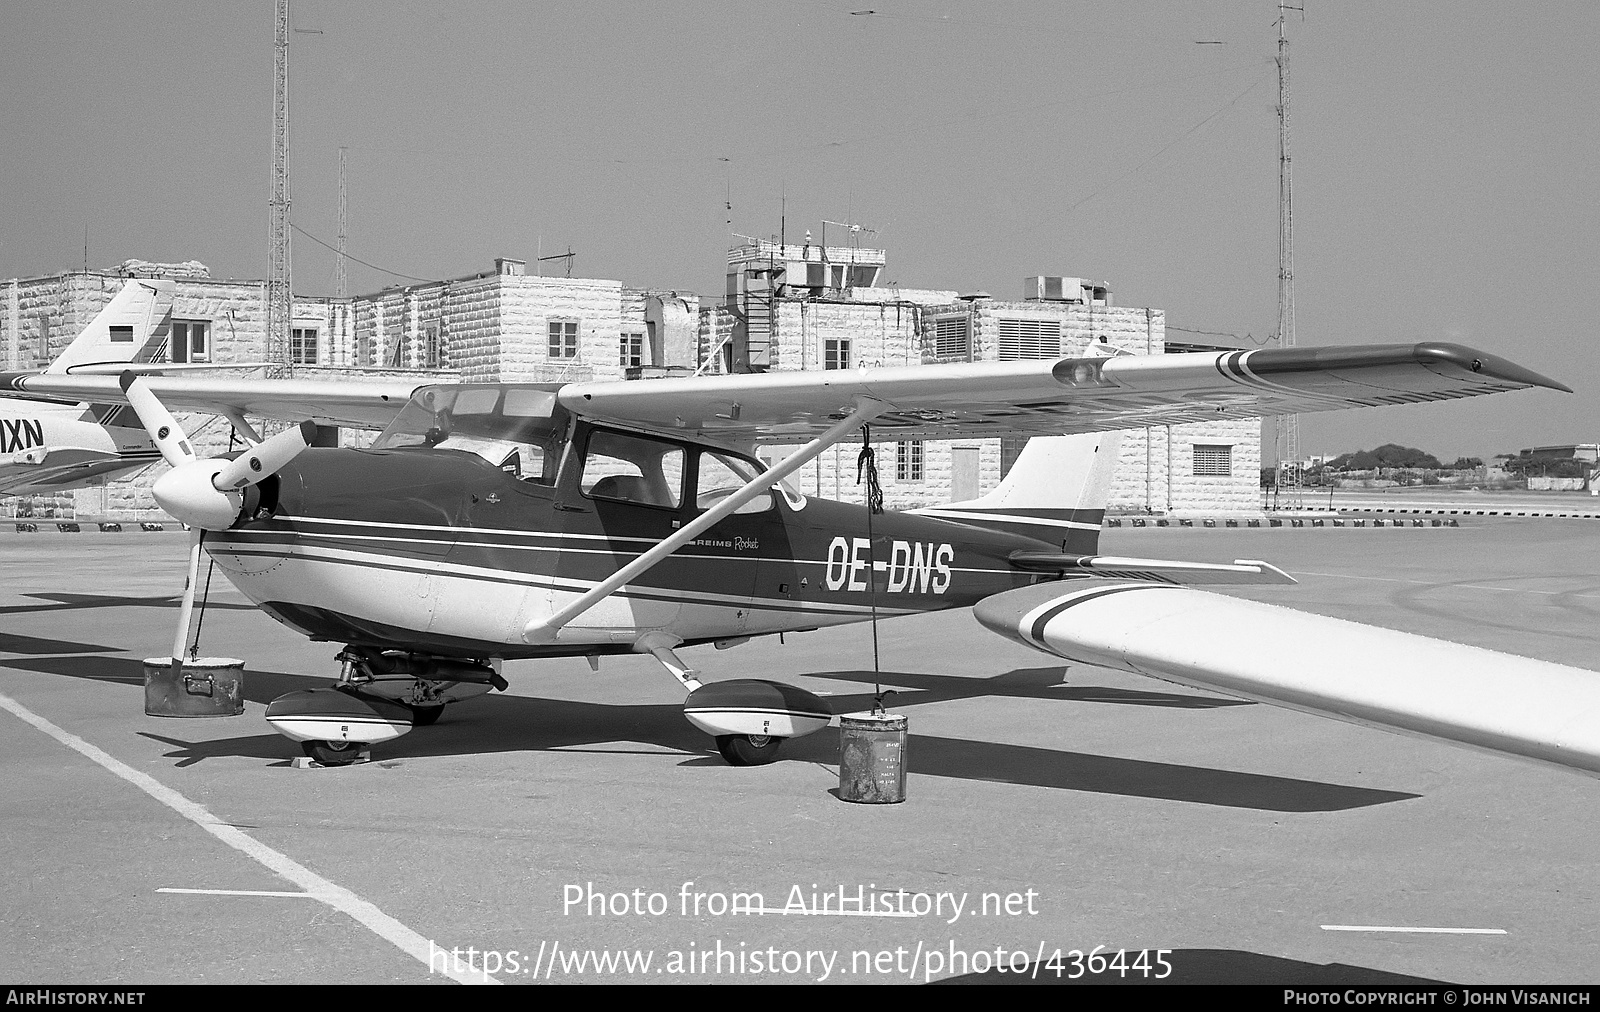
(500, 578)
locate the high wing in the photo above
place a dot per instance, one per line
(932, 401)
(356, 404)
(1055, 396)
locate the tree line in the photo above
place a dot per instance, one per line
(1393, 456)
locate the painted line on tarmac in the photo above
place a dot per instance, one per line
(237, 892)
(1415, 931)
(338, 897)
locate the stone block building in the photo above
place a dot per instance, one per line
(786, 307)
(806, 306)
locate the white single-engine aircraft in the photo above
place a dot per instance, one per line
(51, 445)
(497, 521)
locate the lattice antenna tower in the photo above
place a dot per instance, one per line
(279, 295)
(338, 262)
(1287, 437)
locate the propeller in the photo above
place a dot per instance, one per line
(204, 492)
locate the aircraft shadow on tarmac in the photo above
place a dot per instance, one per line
(14, 643)
(1203, 966)
(517, 723)
(74, 602)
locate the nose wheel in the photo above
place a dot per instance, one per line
(748, 749)
(334, 753)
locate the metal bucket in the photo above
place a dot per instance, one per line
(872, 758)
(202, 687)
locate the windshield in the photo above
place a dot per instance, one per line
(517, 427)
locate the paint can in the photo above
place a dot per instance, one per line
(872, 758)
(201, 687)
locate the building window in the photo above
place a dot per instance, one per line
(1213, 461)
(908, 461)
(432, 347)
(303, 345)
(632, 349)
(1025, 339)
(191, 341)
(836, 353)
(952, 337)
(564, 339)
(1011, 448)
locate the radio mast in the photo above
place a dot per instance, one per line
(279, 296)
(1286, 442)
(338, 262)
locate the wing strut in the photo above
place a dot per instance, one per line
(544, 630)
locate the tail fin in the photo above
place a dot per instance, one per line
(133, 328)
(1055, 492)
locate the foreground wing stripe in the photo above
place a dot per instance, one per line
(1036, 629)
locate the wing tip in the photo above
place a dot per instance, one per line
(1463, 357)
(1437, 355)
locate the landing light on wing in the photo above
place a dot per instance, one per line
(1359, 673)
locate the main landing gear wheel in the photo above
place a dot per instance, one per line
(748, 749)
(332, 753)
(425, 716)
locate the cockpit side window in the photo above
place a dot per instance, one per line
(520, 429)
(632, 468)
(719, 475)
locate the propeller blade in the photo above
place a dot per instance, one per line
(264, 459)
(164, 430)
(181, 642)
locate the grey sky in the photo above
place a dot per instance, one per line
(1446, 156)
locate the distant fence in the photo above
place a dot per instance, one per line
(1544, 484)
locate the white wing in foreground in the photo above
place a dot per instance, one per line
(1363, 674)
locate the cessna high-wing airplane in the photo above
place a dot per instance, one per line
(498, 521)
(50, 446)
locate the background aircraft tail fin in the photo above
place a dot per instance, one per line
(133, 328)
(1056, 492)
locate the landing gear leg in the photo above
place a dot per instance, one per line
(748, 749)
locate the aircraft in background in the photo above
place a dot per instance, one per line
(50, 446)
(502, 521)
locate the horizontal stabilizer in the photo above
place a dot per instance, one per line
(1358, 673)
(58, 468)
(1113, 567)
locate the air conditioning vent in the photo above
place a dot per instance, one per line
(1027, 339)
(1055, 288)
